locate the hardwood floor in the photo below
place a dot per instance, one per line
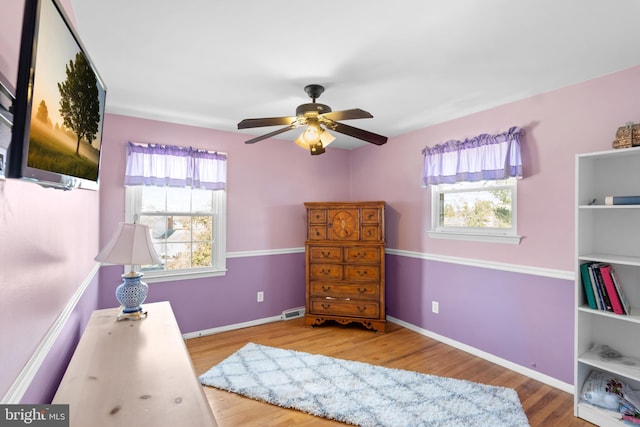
(399, 348)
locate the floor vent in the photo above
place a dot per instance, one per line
(293, 313)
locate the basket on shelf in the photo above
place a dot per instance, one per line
(627, 136)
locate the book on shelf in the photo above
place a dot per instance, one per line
(588, 286)
(602, 288)
(623, 299)
(605, 301)
(622, 200)
(612, 292)
(596, 288)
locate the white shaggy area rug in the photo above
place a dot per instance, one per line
(362, 394)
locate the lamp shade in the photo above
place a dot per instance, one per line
(131, 245)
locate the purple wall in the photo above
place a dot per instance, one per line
(44, 385)
(201, 304)
(522, 318)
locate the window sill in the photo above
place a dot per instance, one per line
(487, 238)
(173, 277)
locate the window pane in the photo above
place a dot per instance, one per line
(182, 229)
(178, 256)
(153, 199)
(202, 254)
(476, 209)
(201, 200)
(181, 223)
(178, 200)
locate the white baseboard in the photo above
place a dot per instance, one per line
(233, 327)
(546, 379)
(553, 382)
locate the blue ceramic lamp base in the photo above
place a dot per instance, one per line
(132, 292)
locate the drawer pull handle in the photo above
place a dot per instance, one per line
(326, 306)
(362, 290)
(325, 254)
(362, 273)
(323, 271)
(325, 288)
(362, 309)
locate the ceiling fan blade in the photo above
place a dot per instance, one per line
(270, 134)
(355, 113)
(364, 135)
(267, 121)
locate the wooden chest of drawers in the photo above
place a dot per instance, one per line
(345, 263)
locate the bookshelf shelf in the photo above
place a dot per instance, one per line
(633, 317)
(607, 234)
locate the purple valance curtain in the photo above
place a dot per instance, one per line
(166, 165)
(484, 157)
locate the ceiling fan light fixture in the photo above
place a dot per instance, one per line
(311, 134)
(315, 138)
(326, 138)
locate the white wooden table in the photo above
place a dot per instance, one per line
(133, 373)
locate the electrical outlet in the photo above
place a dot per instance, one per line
(435, 307)
(260, 296)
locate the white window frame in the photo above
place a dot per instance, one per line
(133, 205)
(491, 235)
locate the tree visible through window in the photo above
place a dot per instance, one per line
(485, 207)
(186, 227)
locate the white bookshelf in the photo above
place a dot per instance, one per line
(608, 234)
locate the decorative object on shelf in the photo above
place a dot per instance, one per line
(608, 391)
(131, 245)
(627, 136)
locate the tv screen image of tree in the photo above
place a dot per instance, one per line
(67, 104)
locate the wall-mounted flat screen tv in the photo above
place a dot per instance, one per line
(58, 111)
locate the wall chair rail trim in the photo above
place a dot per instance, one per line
(25, 377)
(523, 269)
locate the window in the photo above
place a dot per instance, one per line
(187, 229)
(180, 193)
(473, 187)
(481, 211)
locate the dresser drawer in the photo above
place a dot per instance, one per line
(362, 272)
(362, 254)
(342, 290)
(370, 232)
(349, 308)
(325, 254)
(317, 232)
(325, 271)
(317, 216)
(370, 215)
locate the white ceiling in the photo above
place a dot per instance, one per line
(410, 63)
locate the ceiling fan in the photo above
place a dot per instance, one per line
(318, 119)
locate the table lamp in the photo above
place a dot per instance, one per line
(131, 245)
